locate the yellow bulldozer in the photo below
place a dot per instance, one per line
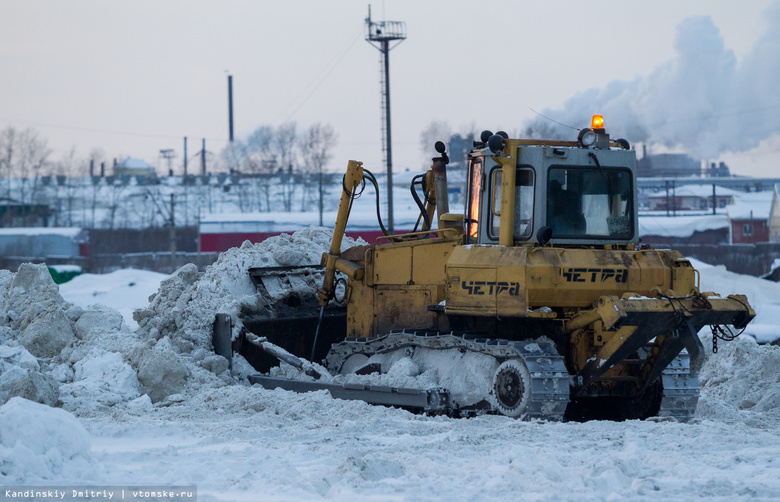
(539, 301)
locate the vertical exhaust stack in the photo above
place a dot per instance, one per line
(440, 182)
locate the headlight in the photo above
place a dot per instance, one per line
(586, 137)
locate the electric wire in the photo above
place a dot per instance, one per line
(322, 80)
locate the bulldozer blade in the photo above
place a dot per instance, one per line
(429, 401)
(278, 281)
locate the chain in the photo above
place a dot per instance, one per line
(719, 332)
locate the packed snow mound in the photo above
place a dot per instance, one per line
(34, 309)
(186, 304)
(100, 379)
(56, 353)
(39, 443)
(741, 383)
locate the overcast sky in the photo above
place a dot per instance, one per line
(134, 77)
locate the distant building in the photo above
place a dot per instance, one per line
(750, 220)
(133, 167)
(16, 214)
(690, 198)
(667, 165)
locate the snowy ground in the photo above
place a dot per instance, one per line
(153, 407)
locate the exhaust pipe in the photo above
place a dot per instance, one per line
(440, 182)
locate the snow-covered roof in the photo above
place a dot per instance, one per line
(71, 232)
(133, 163)
(757, 203)
(680, 226)
(695, 191)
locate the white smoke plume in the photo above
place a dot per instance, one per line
(701, 102)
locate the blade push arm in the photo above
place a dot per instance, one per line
(332, 260)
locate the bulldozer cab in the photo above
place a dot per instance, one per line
(584, 196)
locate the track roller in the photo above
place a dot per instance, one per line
(512, 388)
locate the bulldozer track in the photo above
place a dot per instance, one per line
(680, 389)
(550, 381)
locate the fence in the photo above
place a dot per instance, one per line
(163, 262)
(128, 240)
(750, 259)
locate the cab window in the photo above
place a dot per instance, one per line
(524, 203)
(583, 202)
(471, 219)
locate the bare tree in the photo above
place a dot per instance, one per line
(255, 156)
(259, 157)
(285, 146)
(33, 158)
(316, 145)
(7, 158)
(116, 201)
(22, 155)
(436, 131)
(68, 167)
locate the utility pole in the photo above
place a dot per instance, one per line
(203, 158)
(185, 157)
(230, 108)
(714, 199)
(172, 229)
(380, 34)
(320, 205)
(668, 203)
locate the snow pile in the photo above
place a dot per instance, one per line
(52, 351)
(741, 383)
(40, 443)
(101, 378)
(185, 306)
(35, 310)
(87, 359)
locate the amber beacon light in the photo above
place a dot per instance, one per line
(597, 122)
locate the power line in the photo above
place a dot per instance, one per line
(97, 131)
(321, 81)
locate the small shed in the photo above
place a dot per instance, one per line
(749, 218)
